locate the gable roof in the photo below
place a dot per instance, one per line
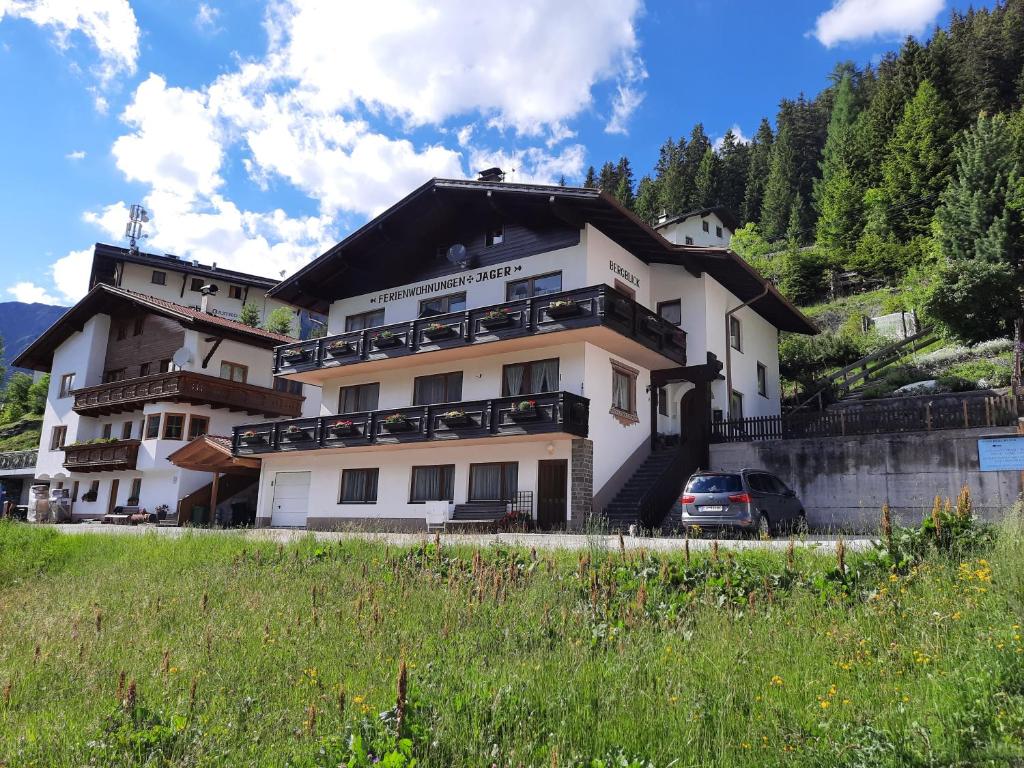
(104, 299)
(105, 256)
(347, 268)
(724, 215)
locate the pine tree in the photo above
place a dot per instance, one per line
(779, 190)
(250, 315)
(591, 178)
(757, 172)
(561, 180)
(608, 178)
(646, 204)
(693, 155)
(705, 182)
(669, 177)
(280, 321)
(915, 169)
(838, 198)
(734, 157)
(624, 186)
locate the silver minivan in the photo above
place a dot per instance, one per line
(746, 500)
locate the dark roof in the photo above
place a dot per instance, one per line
(104, 299)
(105, 256)
(724, 214)
(348, 267)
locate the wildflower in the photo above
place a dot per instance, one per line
(824, 703)
(777, 681)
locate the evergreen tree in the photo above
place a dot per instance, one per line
(838, 197)
(591, 178)
(624, 186)
(561, 180)
(915, 169)
(669, 177)
(705, 189)
(250, 315)
(757, 172)
(734, 159)
(693, 154)
(980, 234)
(608, 178)
(646, 203)
(779, 188)
(281, 321)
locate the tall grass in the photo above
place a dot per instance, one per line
(220, 651)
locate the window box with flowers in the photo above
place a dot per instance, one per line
(386, 339)
(340, 348)
(456, 418)
(437, 331)
(496, 318)
(293, 433)
(396, 422)
(252, 438)
(89, 496)
(562, 308)
(342, 428)
(524, 410)
(294, 356)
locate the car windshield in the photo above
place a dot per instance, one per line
(714, 484)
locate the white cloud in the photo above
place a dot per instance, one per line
(30, 293)
(850, 20)
(737, 132)
(109, 25)
(532, 165)
(207, 18)
(78, 154)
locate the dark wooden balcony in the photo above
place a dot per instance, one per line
(551, 413)
(185, 387)
(598, 308)
(102, 457)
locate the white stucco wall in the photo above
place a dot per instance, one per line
(694, 228)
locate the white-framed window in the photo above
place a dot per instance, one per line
(67, 384)
(234, 372)
(671, 311)
(735, 333)
(762, 380)
(624, 390)
(432, 483)
(705, 226)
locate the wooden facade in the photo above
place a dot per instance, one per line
(118, 455)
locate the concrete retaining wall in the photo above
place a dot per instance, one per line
(844, 481)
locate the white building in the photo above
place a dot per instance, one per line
(711, 227)
(133, 378)
(498, 347)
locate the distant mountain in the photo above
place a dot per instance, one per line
(21, 324)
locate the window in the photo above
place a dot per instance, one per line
(93, 492)
(144, 369)
(152, 426)
(158, 278)
(625, 290)
(358, 486)
(234, 372)
(58, 436)
(166, 366)
(74, 491)
(235, 292)
(533, 286)
(67, 383)
(762, 380)
(364, 320)
(198, 426)
(122, 331)
(174, 426)
(624, 389)
(361, 397)
(718, 232)
(111, 376)
(108, 431)
(136, 490)
(435, 483)
(495, 236)
(705, 226)
(671, 311)
(736, 405)
(440, 305)
(493, 482)
(662, 401)
(289, 386)
(735, 334)
(439, 388)
(196, 284)
(140, 326)
(126, 431)
(716, 415)
(689, 240)
(529, 378)
(714, 484)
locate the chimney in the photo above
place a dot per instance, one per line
(207, 291)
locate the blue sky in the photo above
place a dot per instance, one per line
(259, 133)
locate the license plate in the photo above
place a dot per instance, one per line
(711, 508)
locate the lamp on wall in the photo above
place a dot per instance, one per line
(550, 448)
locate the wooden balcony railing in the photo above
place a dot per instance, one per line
(102, 457)
(15, 460)
(599, 305)
(552, 412)
(185, 387)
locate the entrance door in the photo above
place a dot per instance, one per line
(291, 500)
(112, 502)
(552, 478)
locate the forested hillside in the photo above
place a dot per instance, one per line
(908, 175)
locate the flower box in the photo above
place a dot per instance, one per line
(386, 339)
(454, 419)
(339, 348)
(341, 428)
(655, 324)
(436, 331)
(396, 422)
(524, 410)
(560, 309)
(293, 356)
(496, 318)
(251, 438)
(295, 434)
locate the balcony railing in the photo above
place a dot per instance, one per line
(550, 412)
(188, 387)
(14, 460)
(102, 457)
(599, 305)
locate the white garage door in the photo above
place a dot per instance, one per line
(291, 500)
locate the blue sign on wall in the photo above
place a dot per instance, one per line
(1001, 454)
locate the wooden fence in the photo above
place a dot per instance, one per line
(909, 416)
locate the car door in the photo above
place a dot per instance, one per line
(789, 504)
(760, 490)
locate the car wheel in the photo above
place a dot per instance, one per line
(800, 527)
(764, 527)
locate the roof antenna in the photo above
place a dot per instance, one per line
(137, 216)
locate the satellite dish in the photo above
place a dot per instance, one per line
(182, 357)
(457, 255)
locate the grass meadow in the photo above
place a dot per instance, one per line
(221, 651)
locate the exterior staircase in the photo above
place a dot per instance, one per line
(230, 486)
(630, 505)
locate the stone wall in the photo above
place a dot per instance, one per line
(844, 481)
(581, 485)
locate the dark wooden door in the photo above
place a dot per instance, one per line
(113, 496)
(552, 481)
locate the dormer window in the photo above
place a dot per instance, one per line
(495, 236)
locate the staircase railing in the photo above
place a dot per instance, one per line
(658, 499)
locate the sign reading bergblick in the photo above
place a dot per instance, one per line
(449, 283)
(624, 273)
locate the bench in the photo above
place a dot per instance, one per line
(126, 516)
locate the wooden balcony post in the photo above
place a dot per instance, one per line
(213, 497)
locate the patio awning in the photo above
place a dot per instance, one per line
(212, 453)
